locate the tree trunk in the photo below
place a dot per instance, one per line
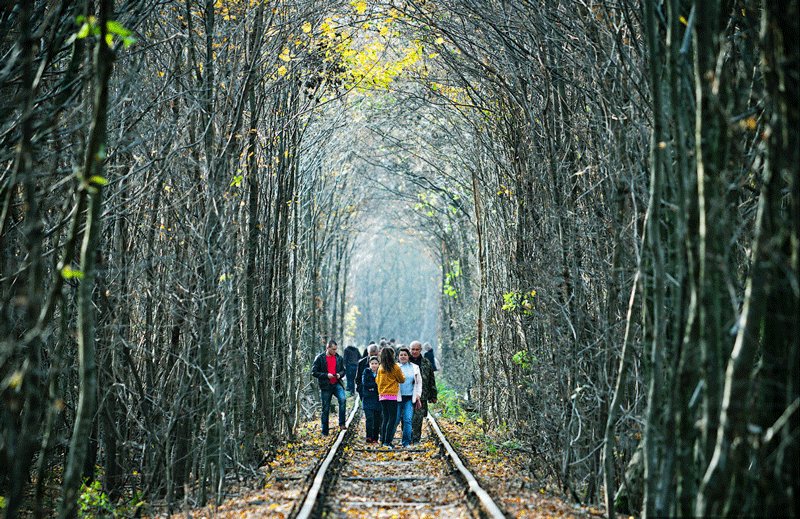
(769, 314)
(92, 181)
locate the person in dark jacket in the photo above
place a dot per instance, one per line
(363, 365)
(428, 349)
(429, 392)
(328, 369)
(370, 403)
(351, 358)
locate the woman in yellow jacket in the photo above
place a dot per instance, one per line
(389, 378)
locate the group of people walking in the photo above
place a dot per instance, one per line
(395, 387)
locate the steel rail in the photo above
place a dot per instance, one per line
(486, 501)
(310, 503)
(313, 493)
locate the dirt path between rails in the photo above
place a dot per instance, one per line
(412, 483)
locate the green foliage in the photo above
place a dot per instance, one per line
(115, 31)
(69, 273)
(97, 179)
(449, 404)
(449, 288)
(524, 360)
(519, 302)
(492, 446)
(3, 503)
(236, 181)
(94, 503)
(426, 204)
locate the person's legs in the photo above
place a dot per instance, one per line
(369, 416)
(379, 423)
(416, 423)
(398, 419)
(350, 371)
(389, 420)
(342, 399)
(325, 396)
(384, 411)
(407, 416)
(375, 432)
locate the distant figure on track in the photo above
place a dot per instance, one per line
(370, 402)
(351, 358)
(328, 369)
(428, 349)
(410, 393)
(389, 378)
(429, 393)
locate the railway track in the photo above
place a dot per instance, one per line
(357, 479)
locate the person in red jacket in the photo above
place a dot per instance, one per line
(328, 369)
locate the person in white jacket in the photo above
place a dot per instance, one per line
(410, 393)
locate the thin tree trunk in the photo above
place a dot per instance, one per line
(92, 181)
(22, 445)
(479, 348)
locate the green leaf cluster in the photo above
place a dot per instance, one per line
(524, 360)
(449, 405)
(115, 31)
(519, 302)
(94, 503)
(68, 272)
(449, 288)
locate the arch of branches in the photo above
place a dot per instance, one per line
(596, 201)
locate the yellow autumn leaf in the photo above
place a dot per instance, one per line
(282, 70)
(306, 27)
(327, 28)
(361, 7)
(439, 40)
(284, 55)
